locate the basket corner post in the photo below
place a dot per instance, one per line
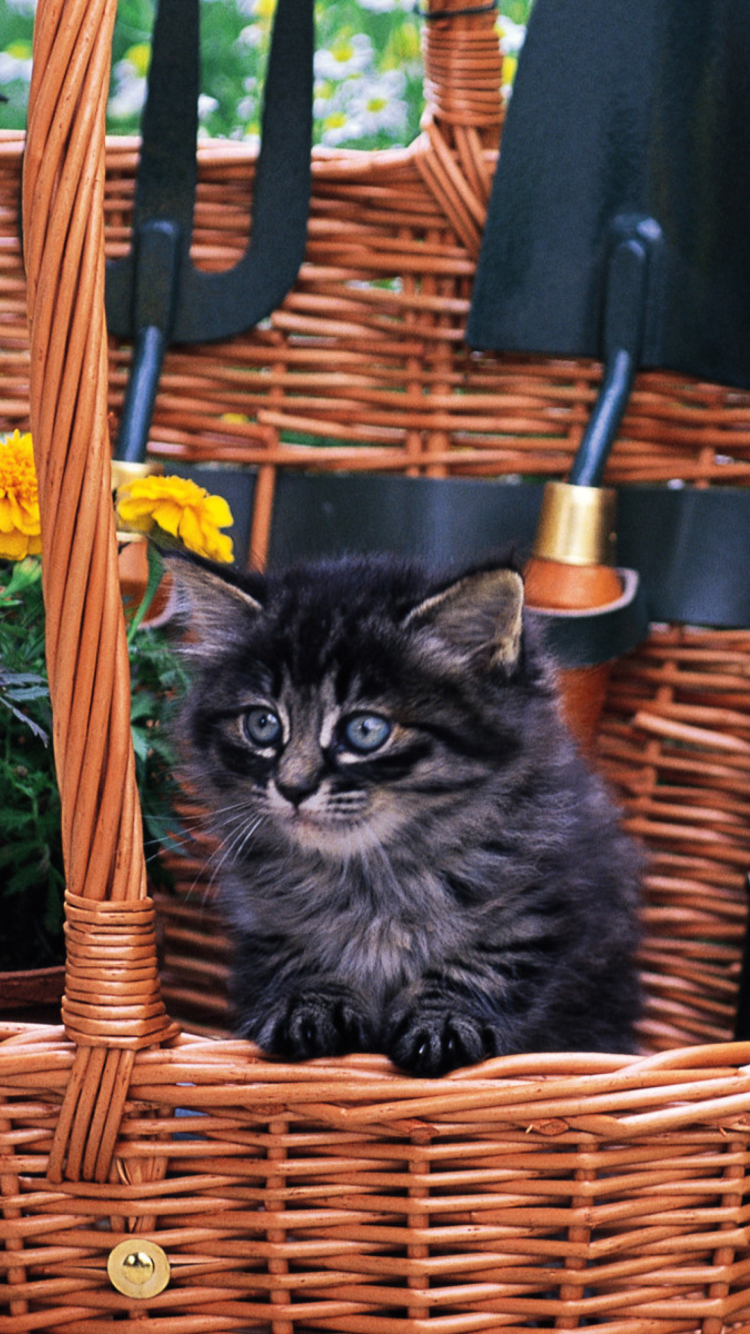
(112, 1006)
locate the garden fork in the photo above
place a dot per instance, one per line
(155, 295)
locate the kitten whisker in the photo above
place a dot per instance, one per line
(245, 837)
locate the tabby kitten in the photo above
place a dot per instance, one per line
(415, 860)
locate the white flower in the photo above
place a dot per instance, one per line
(206, 105)
(322, 101)
(347, 56)
(14, 67)
(386, 6)
(366, 104)
(251, 36)
(391, 83)
(130, 92)
(377, 102)
(511, 35)
(130, 82)
(338, 127)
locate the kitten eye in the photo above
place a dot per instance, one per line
(262, 726)
(365, 732)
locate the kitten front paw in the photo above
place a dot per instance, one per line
(321, 1025)
(427, 1045)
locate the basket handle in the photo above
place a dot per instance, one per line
(464, 111)
(112, 1005)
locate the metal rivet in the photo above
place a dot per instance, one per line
(138, 1268)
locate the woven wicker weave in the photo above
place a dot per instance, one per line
(537, 1192)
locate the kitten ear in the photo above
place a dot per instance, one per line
(207, 596)
(480, 614)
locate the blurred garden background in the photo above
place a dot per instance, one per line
(368, 73)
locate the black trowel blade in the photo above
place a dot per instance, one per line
(628, 109)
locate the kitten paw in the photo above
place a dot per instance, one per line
(427, 1045)
(320, 1026)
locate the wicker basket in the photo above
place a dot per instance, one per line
(547, 1191)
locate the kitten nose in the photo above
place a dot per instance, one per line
(296, 792)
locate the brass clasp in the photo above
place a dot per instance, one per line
(138, 1268)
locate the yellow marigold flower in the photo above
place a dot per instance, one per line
(179, 507)
(510, 65)
(20, 528)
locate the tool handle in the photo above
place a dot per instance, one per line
(555, 584)
(137, 410)
(154, 301)
(593, 452)
(624, 317)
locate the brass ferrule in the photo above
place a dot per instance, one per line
(577, 524)
(128, 472)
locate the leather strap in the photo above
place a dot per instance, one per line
(587, 638)
(690, 548)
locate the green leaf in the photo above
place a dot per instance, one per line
(24, 718)
(140, 744)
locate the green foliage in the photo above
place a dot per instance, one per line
(368, 86)
(31, 875)
(16, 28)
(31, 863)
(517, 10)
(157, 681)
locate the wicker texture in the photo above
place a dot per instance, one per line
(535, 1192)
(539, 1191)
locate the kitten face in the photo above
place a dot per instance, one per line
(321, 716)
(341, 775)
(316, 766)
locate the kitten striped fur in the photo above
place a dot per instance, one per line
(416, 859)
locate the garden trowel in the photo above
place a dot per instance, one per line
(618, 229)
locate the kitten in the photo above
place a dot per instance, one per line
(416, 859)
